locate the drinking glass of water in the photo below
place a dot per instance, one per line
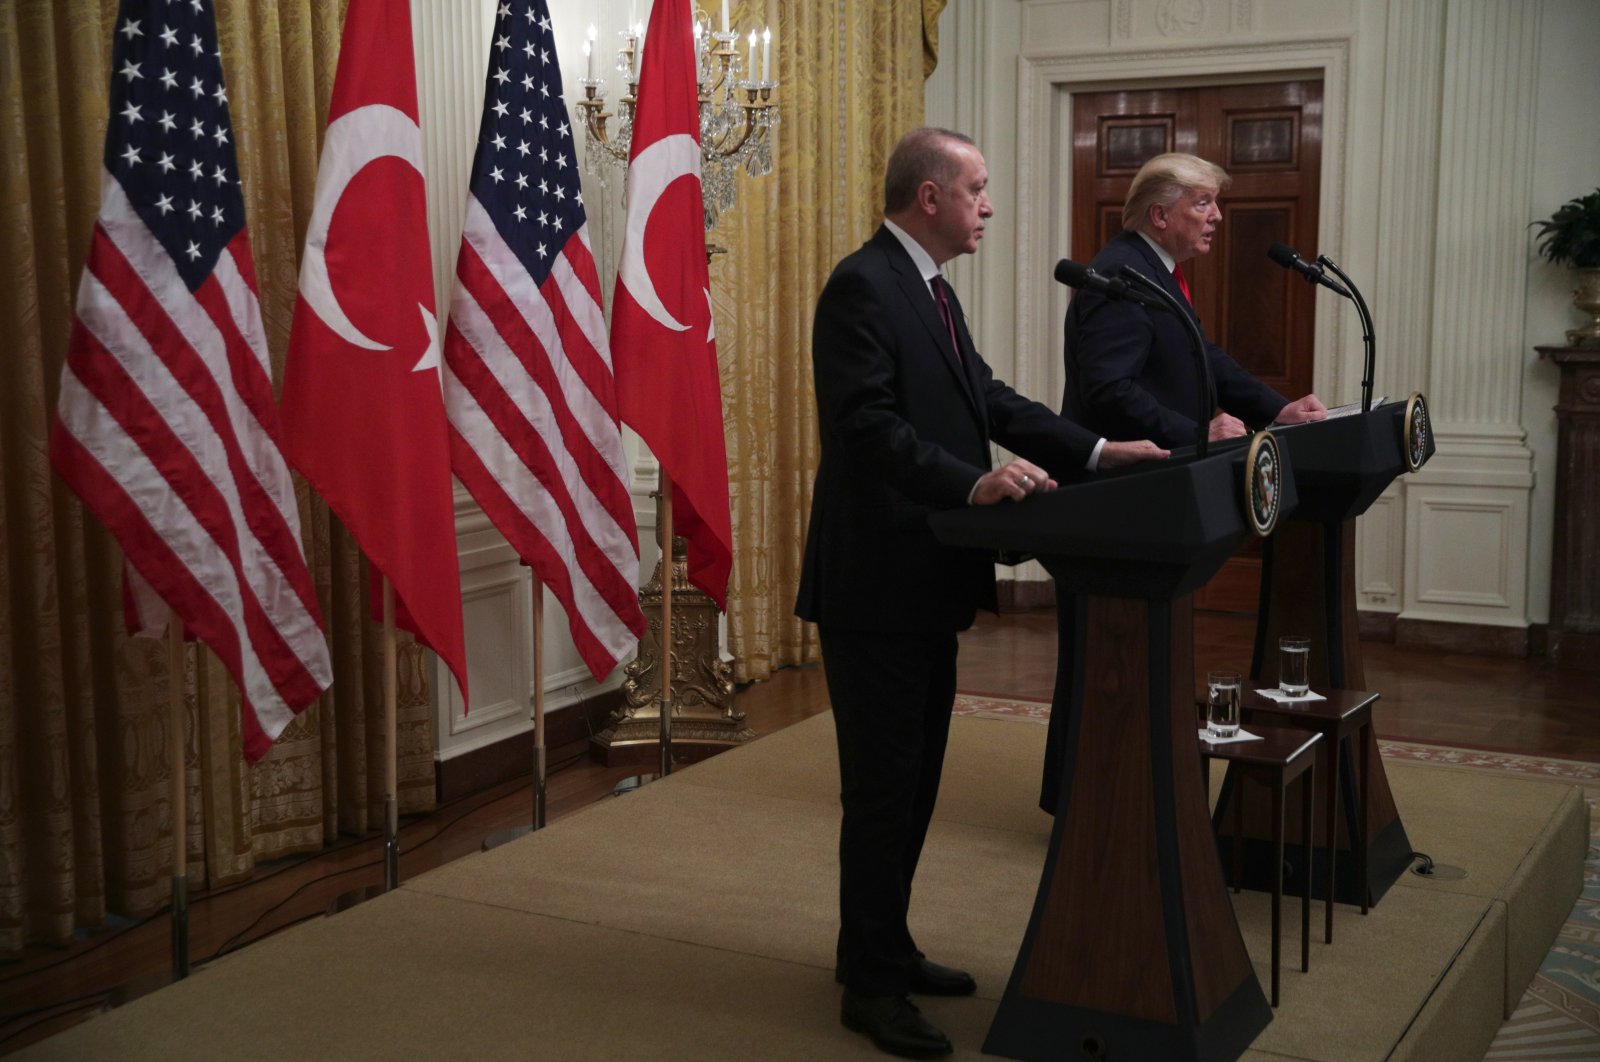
(1222, 703)
(1294, 661)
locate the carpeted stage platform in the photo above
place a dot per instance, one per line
(694, 919)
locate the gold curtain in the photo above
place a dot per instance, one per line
(851, 85)
(85, 815)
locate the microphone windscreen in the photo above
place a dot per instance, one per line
(1283, 254)
(1071, 273)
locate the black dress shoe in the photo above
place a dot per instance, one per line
(931, 979)
(895, 1025)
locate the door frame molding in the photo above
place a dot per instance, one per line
(1045, 85)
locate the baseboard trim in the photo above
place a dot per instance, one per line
(1376, 626)
(567, 734)
(1476, 638)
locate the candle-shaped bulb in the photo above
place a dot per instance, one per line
(750, 59)
(724, 16)
(588, 58)
(766, 55)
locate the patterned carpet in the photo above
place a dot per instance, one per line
(1559, 1016)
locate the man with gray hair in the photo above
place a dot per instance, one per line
(907, 410)
(1131, 371)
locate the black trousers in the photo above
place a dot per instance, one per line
(892, 695)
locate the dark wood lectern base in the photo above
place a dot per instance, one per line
(1308, 587)
(1132, 950)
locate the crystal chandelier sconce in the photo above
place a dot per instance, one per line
(737, 111)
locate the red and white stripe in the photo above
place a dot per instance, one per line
(534, 432)
(167, 429)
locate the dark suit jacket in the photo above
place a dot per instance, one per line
(905, 430)
(1130, 371)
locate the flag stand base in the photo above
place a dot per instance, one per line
(704, 721)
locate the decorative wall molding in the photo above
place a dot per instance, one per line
(1180, 18)
(1380, 547)
(1479, 217)
(1466, 554)
(1404, 251)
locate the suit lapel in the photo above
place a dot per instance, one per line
(1157, 270)
(920, 300)
(1163, 276)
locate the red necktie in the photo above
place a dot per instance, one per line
(1183, 282)
(944, 312)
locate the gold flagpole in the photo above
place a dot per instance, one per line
(665, 519)
(391, 814)
(536, 612)
(538, 704)
(176, 726)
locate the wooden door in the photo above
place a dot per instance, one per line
(1268, 137)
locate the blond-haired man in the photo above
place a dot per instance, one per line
(1131, 371)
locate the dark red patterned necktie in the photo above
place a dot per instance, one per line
(1183, 282)
(944, 312)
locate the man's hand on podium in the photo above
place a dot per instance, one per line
(1015, 480)
(1226, 426)
(1117, 454)
(1302, 410)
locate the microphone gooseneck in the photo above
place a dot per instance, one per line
(1366, 330)
(1285, 256)
(1077, 275)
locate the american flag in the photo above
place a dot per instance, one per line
(527, 378)
(166, 425)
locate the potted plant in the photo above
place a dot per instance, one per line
(1571, 237)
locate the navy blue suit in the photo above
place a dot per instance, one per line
(1130, 371)
(906, 426)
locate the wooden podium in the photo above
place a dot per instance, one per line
(1341, 466)
(1132, 950)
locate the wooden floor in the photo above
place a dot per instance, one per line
(1476, 701)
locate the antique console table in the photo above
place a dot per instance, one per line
(1575, 562)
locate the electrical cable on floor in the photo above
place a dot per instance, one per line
(73, 956)
(1427, 863)
(74, 1004)
(195, 900)
(229, 944)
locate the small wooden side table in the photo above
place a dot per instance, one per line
(1344, 719)
(1279, 757)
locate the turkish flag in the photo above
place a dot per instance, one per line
(663, 343)
(362, 409)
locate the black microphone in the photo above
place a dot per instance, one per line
(1285, 256)
(1077, 275)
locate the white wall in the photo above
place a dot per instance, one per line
(1448, 126)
